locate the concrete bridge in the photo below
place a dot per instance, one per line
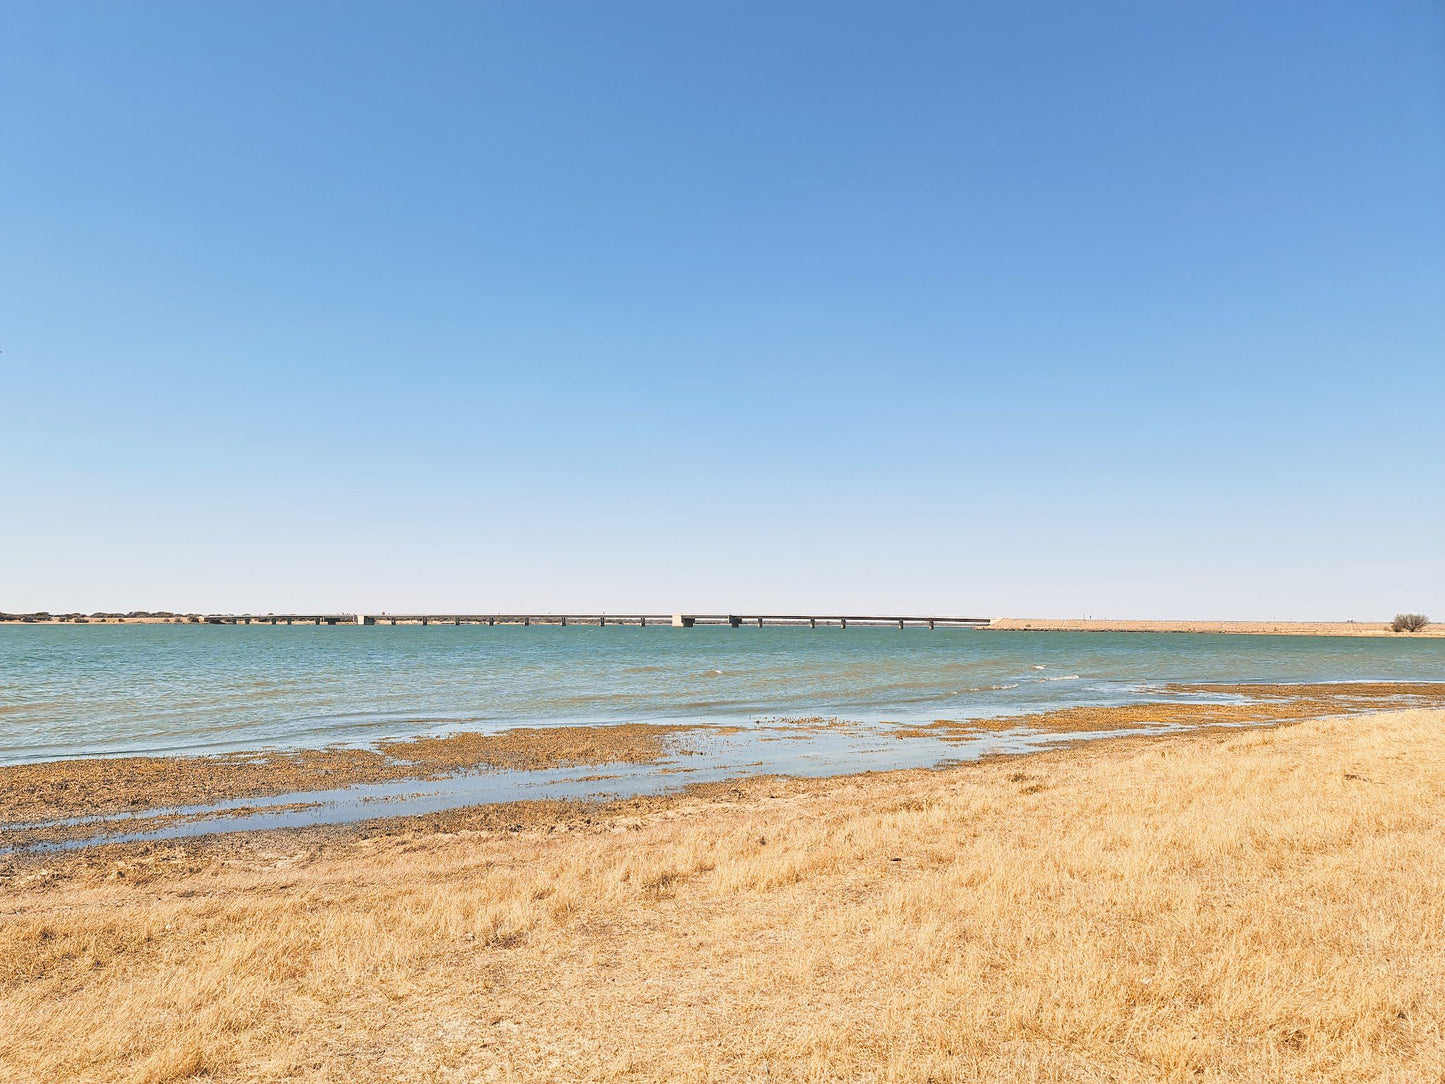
(678, 620)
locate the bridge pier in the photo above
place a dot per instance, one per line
(812, 622)
(843, 621)
(734, 620)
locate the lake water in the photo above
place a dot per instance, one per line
(69, 691)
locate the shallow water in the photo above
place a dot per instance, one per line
(68, 691)
(762, 750)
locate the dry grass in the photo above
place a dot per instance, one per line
(1264, 905)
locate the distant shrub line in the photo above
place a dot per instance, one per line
(1409, 622)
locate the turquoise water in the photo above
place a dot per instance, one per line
(70, 691)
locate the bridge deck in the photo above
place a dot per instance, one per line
(691, 620)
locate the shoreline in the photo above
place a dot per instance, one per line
(80, 802)
(91, 787)
(549, 815)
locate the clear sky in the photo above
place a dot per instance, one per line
(1121, 309)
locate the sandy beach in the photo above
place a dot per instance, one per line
(1227, 905)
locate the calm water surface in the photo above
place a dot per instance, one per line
(69, 691)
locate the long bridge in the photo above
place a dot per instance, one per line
(677, 620)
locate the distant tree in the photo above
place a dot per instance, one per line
(1409, 622)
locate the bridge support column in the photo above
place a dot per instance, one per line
(734, 620)
(900, 624)
(930, 625)
(760, 622)
(843, 622)
(643, 622)
(526, 622)
(812, 622)
(601, 622)
(564, 622)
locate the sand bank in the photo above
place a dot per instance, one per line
(1225, 905)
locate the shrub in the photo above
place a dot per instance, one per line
(1409, 622)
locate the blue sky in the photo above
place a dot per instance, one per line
(1122, 309)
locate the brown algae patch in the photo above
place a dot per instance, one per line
(101, 786)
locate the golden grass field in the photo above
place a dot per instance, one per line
(1257, 905)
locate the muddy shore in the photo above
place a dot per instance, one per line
(154, 787)
(97, 786)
